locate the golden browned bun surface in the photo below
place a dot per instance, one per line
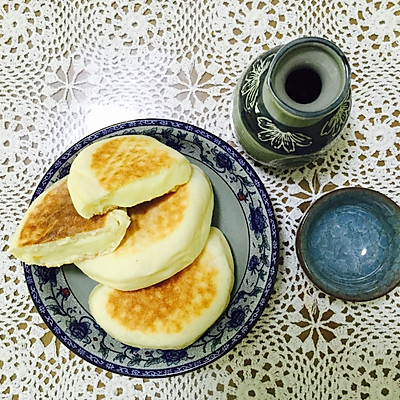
(165, 235)
(175, 312)
(124, 171)
(52, 233)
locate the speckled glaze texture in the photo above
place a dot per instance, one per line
(349, 244)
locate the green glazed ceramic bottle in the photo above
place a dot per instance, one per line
(292, 102)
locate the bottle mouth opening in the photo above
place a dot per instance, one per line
(309, 77)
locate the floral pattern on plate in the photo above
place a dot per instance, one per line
(237, 187)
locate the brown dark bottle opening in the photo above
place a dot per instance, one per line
(303, 85)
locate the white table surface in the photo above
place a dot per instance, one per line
(70, 67)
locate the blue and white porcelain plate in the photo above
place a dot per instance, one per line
(243, 212)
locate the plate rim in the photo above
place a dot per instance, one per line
(256, 312)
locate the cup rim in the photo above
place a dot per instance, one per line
(311, 40)
(368, 195)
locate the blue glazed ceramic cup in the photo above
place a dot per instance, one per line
(348, 243)
(292, 102)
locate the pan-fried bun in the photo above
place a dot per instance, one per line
(52, 233)
(124, 171)
(166, 234)
(175, 312)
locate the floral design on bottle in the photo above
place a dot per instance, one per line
(335, 124)
(278, 139)
(251, 85)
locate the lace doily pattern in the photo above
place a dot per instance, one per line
(69, 68)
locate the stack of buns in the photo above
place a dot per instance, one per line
(135, 215)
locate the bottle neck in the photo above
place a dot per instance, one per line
(307, 80)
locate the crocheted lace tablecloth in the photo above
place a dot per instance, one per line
(70, 67)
